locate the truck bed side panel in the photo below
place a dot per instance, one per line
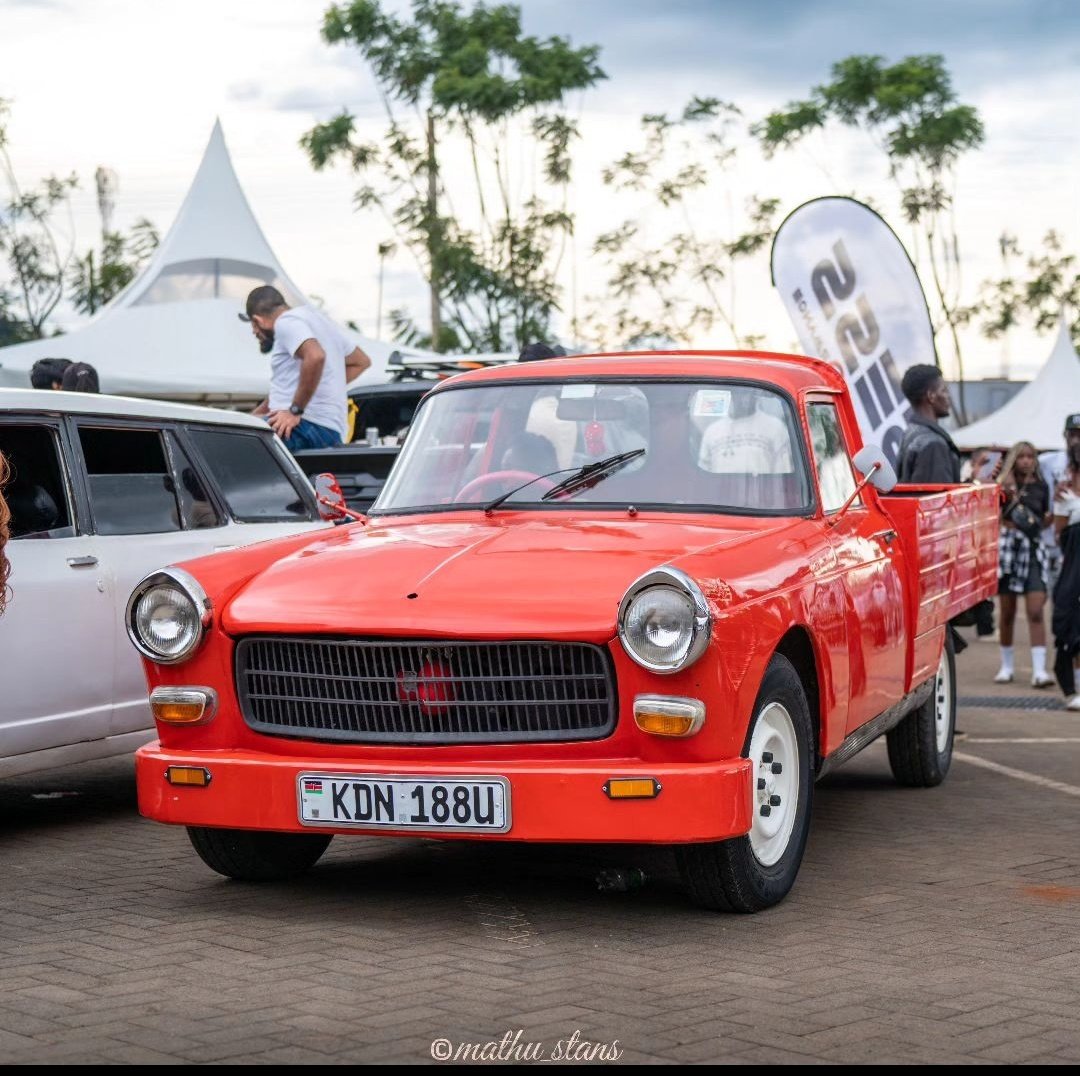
(950, 534)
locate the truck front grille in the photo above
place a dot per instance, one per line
(435, 692)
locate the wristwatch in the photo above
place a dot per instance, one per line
(295, 409)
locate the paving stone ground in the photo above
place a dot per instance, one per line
(926, 926)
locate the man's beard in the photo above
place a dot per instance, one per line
(266, 341)
(1074, 454)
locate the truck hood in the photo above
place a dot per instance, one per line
(521, 576)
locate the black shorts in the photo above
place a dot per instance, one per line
(1034, 584)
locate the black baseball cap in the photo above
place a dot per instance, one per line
(262, 300)
(1072, 422)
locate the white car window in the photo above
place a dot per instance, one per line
(132, 490)
(37, 494)
(250, 477)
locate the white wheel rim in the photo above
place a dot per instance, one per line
(942, 710)
(774, 753)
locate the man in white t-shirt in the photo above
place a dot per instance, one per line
(311, 362)
(746, 440)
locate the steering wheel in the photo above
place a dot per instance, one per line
(480, 488)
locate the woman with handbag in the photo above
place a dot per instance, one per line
(1066, 618)
(1022, 559)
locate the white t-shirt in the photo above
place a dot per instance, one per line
(1054, 467)
(758, 443)
(327, 406)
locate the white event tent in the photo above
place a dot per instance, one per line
(173, 333)
(1037, 412)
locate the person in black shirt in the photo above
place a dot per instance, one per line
(1022, 561)
(927, 455)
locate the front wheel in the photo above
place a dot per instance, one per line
(751, 873)
(256, 856)
(920, 747)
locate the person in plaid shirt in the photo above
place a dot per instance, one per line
(1022, 560)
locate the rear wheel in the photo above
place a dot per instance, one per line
(748, 874)
(256, 856)
(920, 747)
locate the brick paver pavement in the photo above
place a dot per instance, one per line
(928, 925)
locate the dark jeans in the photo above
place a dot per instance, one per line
(311, 435)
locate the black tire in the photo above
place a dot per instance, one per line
(257, 856)
(914, 755)
(727, 875)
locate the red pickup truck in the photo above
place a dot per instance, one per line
(635, 597)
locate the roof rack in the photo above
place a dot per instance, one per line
(404, 367)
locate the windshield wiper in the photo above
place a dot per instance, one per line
(592, 473)
(580, 476)
(493, 504)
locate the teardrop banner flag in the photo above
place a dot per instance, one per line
(855, 298)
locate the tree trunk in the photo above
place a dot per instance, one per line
(433, 216)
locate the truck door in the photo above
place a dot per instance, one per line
(870, 562)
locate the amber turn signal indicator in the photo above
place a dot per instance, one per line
(188, 775)
(632, 788)
(668, 715)
(183, 705)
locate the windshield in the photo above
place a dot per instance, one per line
(721, 445)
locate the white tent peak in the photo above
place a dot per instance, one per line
(215, 247)
(1037, 412)
(173, 332)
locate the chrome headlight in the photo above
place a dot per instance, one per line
(664, 621)
(167, 615)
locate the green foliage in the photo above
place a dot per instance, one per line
(29, 245)
(676, 278)
(98, 277)
(1050, 284)
(472, 76)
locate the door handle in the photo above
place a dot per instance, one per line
(82, 562)
(887, 537)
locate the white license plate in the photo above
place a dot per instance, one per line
(372, 801)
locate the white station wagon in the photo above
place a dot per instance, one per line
(105, 490)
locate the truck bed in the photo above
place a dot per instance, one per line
(950, 532)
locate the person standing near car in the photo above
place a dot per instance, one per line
(927, 455)
(48, 373)
(311, 362)
(1065, 620)
(1022, 562)
(80, 377)
(1055, 469)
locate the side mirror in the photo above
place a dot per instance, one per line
(872, 462)
(331, 500)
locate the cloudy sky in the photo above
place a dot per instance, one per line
(136, 86)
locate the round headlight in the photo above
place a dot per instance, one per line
(167, 615)
(664, 621)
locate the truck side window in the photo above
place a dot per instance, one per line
(36, 494)
(836, 479)
(250, 476)
(132, 490)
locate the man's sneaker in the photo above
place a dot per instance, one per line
(1004, 676)
(1073, 703)
(1041, 680)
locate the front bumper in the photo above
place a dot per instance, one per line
(552, 801)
